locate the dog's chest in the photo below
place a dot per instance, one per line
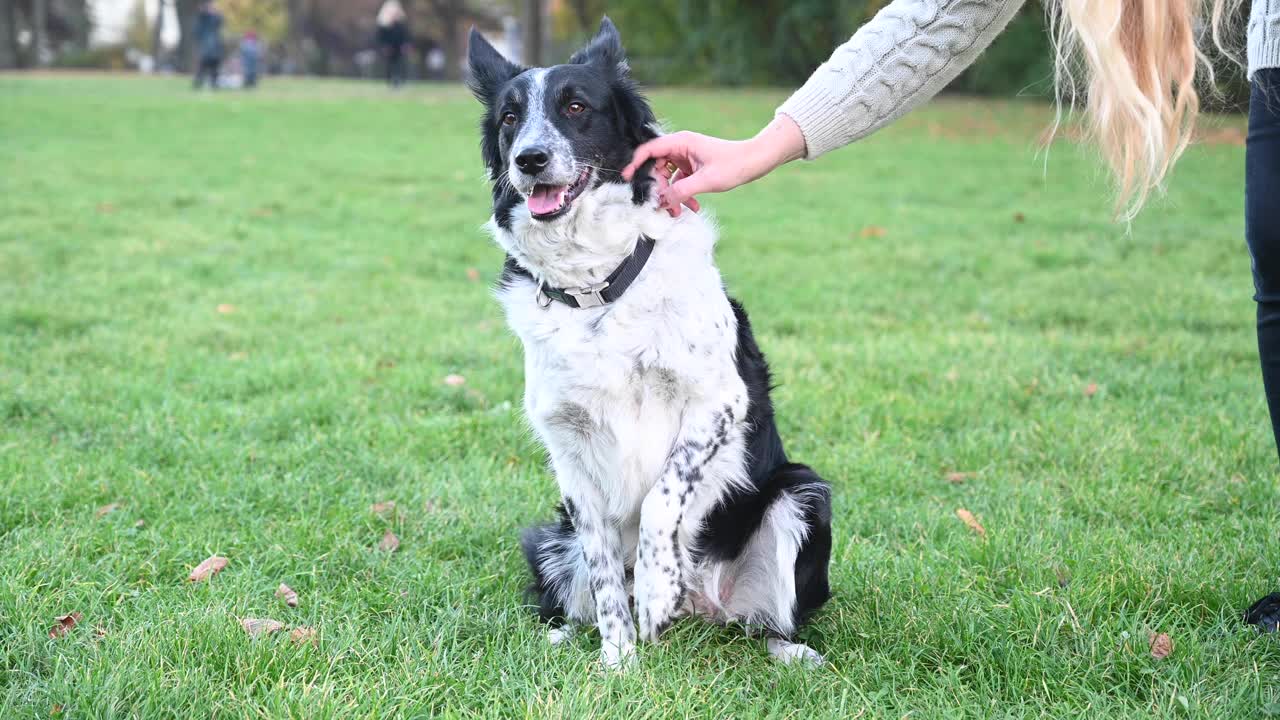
(606, 387)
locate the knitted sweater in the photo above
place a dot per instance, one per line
(912, 48)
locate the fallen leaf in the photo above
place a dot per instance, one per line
(389, 542)
(257, 626)
(99, 633)
(140, 524)
(238, 355)
(454, 380)
(1091, 389)
(106, 208)
(473, 274)
(956, 477)
(382, 508)
(288, 594)
(106, 509)
(300, 635)
(55, 710)
(66, 623)
(1019, 217)
(952, 375)
(207, 569)
(1161, 646)
(226, 308)
(871, 231)
(971, 521)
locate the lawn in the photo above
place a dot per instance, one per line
(232, 317)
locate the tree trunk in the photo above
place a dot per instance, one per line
(532, 33)
(187, 10)
(157, 34)
(8, 36)
(39, 30)
(293, 36)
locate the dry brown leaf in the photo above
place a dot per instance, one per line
(207, 569)
(389, 542)
(226, 308)
(872, 231)
(1161, 646)
(288, 594)
(55, 710)
(1019, 217)
(382, 508)
(971, 521)
(473, 275)
(99, 633)
(140, 524)
(66, 623)
(956, 477)
(260, 626)
(454, 380)
(301, 635)
(106, 208)
(1091, 389)
(106, 509)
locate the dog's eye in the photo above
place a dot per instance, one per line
(576, 108)
(509, 119)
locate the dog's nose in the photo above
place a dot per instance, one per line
(532, 160)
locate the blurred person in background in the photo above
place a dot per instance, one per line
(393, 38)
(208, 32)
(250, 51)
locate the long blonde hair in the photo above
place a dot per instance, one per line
(1140, 61)
(390, 12)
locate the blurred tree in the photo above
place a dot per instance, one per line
(8, 36)
(137, 34)
(157, 33)
(39, 31)
(187, 10)
(533, 34)
(269, 18)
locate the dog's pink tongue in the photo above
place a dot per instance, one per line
(545, 199)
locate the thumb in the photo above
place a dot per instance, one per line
(681, 191)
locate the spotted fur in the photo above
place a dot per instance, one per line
(654, 410)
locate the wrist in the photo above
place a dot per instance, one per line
(780, 142)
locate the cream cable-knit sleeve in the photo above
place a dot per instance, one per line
(907, 53)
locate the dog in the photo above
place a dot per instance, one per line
(642, 377)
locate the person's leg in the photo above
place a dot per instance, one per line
(1262, 232)
(214, 65)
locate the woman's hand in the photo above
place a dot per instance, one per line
(689, 163)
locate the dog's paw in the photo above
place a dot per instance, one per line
(561, 635)
(617, 656)
(658, 600)
(789, 652)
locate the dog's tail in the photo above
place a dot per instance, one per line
(561, 587)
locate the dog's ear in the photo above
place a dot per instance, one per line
(487, 69)
(605, 49)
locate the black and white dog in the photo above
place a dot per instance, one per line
(642, 377)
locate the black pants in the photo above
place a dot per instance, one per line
(395, 67)
(208, 69)
(1262, 226)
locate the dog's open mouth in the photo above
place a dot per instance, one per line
(549, 201)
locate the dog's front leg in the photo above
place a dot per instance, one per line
(659, 587)
(602, 550)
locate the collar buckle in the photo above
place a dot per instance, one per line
(589, 296)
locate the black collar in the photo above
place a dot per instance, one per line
(605, 291)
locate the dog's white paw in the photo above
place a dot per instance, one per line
(789, 652)
(617, 656)
(658, 599)
(562, 634)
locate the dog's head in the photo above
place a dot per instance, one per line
(551, 136)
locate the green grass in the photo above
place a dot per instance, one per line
(340, 222)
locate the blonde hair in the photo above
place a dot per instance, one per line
(390, 12)
(1141, 59)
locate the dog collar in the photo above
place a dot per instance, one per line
(605, 291)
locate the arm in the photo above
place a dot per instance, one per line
(896, 62)
(907, 53)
